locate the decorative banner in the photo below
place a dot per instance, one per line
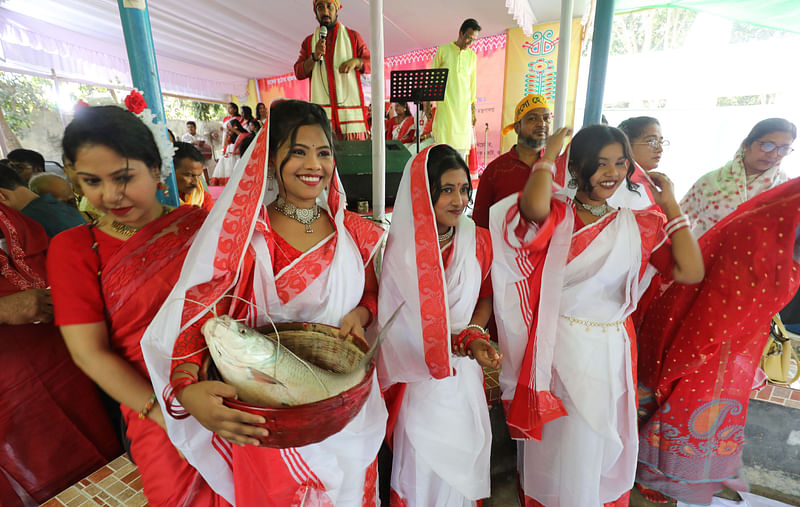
(286, 86)
(531, 68)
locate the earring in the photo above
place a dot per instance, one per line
(270, 180)
(572, 183)
(164, 188)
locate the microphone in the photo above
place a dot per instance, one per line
(323, 32)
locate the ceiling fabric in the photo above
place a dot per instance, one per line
(211, 48)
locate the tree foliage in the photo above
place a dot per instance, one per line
(21, 95)
(185, 109)
(650, 30)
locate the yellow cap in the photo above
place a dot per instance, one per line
(527, 103)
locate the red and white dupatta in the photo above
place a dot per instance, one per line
(212, 269)
(446, 463)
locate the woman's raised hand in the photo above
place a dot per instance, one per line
(663, 191)
(555, 143)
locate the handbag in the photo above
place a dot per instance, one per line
(777, 357)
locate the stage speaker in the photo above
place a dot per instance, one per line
(354, 162)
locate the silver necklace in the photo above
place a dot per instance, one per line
(447, 235)
(303, 215)
(597, 210)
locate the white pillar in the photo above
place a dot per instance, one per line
(562, 76)
(378, 98)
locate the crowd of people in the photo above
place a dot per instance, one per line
(627, 323)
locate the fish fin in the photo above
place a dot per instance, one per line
(364, 363)
(263, 377)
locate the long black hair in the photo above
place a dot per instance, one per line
(441, 159)
(585, 150)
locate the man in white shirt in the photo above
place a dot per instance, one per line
(197, 140)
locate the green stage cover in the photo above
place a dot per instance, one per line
(776, 14)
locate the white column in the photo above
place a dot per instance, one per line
(378, 98)
(562, 76)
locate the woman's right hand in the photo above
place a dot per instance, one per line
(555, 143)
(204, 401)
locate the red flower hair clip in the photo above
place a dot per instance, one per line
(135, 102)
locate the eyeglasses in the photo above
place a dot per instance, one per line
(654, 144)
(768, 147)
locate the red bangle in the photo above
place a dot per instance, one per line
(170, 394)
(466, 337)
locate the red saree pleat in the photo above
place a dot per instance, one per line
(136, 280)
(700, 345)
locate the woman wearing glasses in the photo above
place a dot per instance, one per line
(647, 142)
(755, 168)
(699, 345)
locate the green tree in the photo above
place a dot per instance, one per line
(21, 95)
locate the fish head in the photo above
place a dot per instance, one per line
(238, 343)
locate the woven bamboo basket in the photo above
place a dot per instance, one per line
(301, 425)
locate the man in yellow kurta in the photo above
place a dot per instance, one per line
(455, 115)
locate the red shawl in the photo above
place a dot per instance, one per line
(700, 345)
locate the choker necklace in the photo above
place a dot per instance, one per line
(129, 230)
(303, 215)
(447, 235)
(596, 210)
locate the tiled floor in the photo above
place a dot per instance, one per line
(781, 395)
(116, 484)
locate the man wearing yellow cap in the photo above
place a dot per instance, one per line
(455, 115)
(335, 62)
(508, 173)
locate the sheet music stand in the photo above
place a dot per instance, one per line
(416, 86)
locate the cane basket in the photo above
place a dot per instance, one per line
(301, 425)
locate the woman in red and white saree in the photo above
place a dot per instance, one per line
(701, 345)
(250, 247)
(109, 278)
(567, 275)
(404, 127)
(442, 436)
(54, 428)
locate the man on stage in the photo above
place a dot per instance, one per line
(455, 115)
(334, 57)
(508, 173)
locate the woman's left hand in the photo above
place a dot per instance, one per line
(483, 352)
(664, 193)
(351, 323)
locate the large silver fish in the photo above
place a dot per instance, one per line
(266, 373)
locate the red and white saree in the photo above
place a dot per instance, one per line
(322, 285)
(563, 293)
(442, 437)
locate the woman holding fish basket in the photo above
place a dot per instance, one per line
(280, 239)
(108, 279)
(436, 266)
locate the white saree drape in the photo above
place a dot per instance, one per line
(588, 457)
(442, 438)
(211, 269)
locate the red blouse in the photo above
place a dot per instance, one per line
(190, 344)
(483, 250)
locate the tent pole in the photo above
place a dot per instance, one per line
(378, 98)
(562, 76)
(144, 70)
(601, 44)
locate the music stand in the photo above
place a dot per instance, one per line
(417, 86)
